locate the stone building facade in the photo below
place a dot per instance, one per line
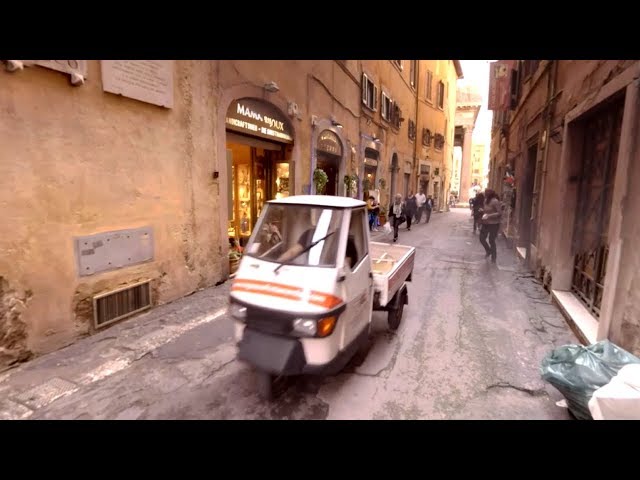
(565, 155)
(125, 182)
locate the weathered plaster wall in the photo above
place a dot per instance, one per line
(576, 82)
(395, 82)
(78, 161)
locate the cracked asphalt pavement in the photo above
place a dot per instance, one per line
(469, 347)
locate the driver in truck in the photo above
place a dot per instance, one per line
(306, 240)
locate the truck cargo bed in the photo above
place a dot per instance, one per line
(391, 265)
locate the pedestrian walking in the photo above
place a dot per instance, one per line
(490, 223)
(478, 211)
(397, 212)
(411, 206)
(429, 207)
(421, 200)
(373, 209)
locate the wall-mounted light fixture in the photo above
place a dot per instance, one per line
(335, 122)
(271, 87)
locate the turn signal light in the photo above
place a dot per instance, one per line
(326, 326)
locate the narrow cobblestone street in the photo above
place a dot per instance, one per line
(469, 347)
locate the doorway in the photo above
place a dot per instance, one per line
(331, 166)
(258, 174)
(527, 229)
(602, 132)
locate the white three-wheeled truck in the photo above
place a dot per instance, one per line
(303, 296)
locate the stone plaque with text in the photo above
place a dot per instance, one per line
(149, 81)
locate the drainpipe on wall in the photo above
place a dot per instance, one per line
(416, 163)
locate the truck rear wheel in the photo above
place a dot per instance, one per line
(394, 316)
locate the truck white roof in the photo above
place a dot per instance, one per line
(321, 201)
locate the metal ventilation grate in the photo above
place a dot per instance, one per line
(118, 304)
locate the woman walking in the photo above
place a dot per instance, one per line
(373, 209)
(397, 213)
(490, 223)
(478, 211)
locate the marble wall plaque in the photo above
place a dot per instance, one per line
(149, 81)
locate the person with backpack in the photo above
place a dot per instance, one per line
(478, 211)
(491, 218)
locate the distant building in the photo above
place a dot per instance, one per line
(468, 105)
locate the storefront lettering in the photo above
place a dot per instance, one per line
(255, 116)
(330, 143)
(247, 112)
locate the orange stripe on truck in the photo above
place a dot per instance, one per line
(280, 290)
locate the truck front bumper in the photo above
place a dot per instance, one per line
(285, 356)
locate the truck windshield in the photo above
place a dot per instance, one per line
(284, 231)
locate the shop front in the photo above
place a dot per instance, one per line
(259, 139)
(329, 154)
(369, 180)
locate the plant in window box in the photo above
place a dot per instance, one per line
(320, 180)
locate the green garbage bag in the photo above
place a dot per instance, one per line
(577, 371)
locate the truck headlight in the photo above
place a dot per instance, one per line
(305, 327)
(238, 311)
(322, 327)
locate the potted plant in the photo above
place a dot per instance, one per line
(235, 255)
(351, 184)
(320, 180)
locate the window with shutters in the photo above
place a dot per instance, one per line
(429, 92)
(413, 71)
(441, 95)
(412, 130)
(438, 141)
(369, 93)
(386, 105)
(396, 116)
(426, 137)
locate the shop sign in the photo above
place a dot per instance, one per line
(259, 118)
(329, 142)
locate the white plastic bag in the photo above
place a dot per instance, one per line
(620, 398)
(386, 228)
